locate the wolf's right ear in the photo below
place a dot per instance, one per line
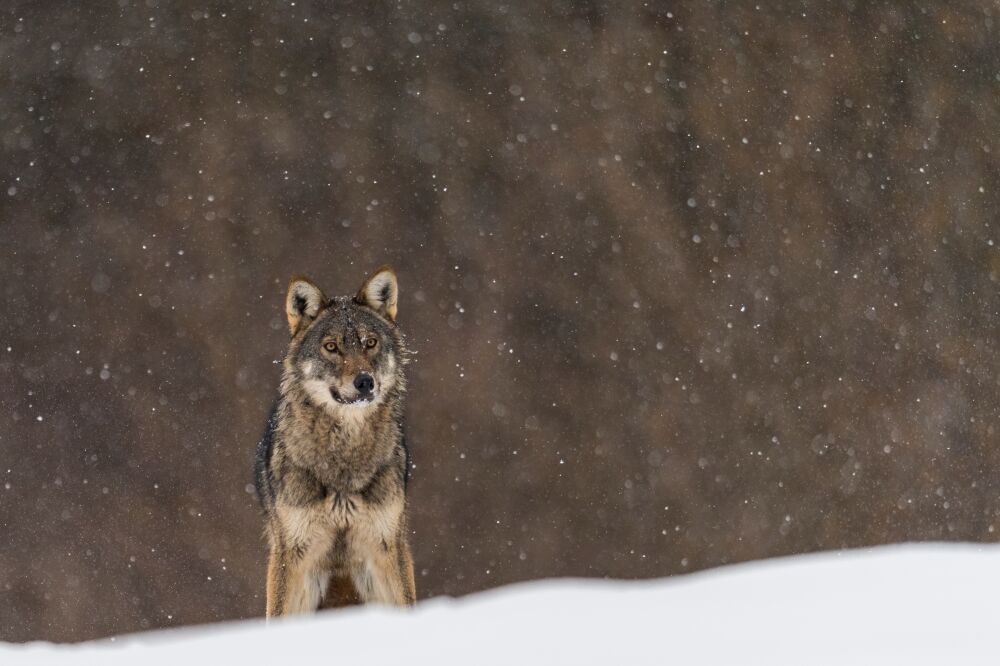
(302, 304)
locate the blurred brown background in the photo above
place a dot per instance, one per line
(689, 283)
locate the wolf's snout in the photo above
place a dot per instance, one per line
(364, 383)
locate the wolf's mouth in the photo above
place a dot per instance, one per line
(357, 400)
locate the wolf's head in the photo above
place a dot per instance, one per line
(346, 353)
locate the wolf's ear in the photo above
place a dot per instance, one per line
(302, 304)
(380, 292)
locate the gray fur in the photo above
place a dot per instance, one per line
(331, 469)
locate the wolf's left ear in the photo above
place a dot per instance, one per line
(380, 292)
(302, 304)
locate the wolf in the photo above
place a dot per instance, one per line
(332, 466)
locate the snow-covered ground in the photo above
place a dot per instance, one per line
(911, 604)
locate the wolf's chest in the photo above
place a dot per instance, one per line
(340, 466)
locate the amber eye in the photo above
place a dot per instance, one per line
(330, 346)
(371, 342)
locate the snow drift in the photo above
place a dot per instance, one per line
(911, 604)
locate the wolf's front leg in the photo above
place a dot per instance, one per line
(277, 583)
(292, 586)
(406, 571)
(387, 577)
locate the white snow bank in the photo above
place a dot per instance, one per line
(912, 604)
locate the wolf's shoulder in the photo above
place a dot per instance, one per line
(263, 477)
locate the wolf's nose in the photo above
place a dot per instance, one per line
(365, 383)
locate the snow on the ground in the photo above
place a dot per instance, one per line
(909, 605)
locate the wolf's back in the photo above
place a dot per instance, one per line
(263, 480)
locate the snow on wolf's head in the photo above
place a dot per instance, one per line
(346, 352)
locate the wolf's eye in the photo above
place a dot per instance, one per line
(370, 343)
(330, 346)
